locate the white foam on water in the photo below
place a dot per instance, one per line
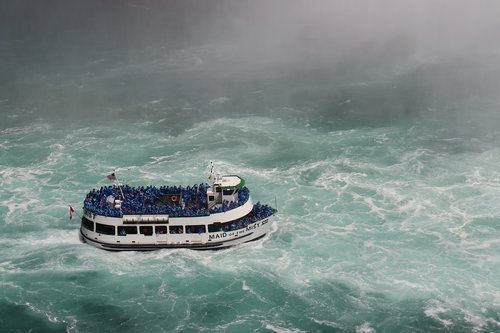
(374, 208)
(16, 206)
(219, 100)
(434, 312)
(437, 309)
(55, 237)
(326, 323)
(50, 317)
(9, 267)
(20, 198)
(279, 329)
(493, 244)
(403, 227)
(245, 287)
(365, 328)
(251, 291)
(28, 176)
(24, 130)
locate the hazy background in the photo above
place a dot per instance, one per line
(330, 64)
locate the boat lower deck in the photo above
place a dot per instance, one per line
(156, 240)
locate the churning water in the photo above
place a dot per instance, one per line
(387, 183)
(379, 229)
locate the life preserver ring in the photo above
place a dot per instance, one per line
(173, 198)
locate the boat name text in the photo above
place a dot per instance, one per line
(227, 234)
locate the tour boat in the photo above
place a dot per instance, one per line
(200, 217)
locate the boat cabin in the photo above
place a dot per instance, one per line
(224, 189)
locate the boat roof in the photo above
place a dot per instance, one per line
(230, 182)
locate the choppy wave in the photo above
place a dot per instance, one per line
(381, 229)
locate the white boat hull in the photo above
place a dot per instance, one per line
(206, 241)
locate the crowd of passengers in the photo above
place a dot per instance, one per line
(190, 200)
(259, 212)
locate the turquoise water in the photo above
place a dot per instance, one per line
(379, 230)
(377, 135)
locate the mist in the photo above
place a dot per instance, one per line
(320, 63)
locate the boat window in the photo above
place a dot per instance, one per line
(227, 192)
(105, 229)
(146, 231)
(124, 231)
(211, 198)
(88, 224)
(218, 189)
(195, 229)
(176, 229)
(217, 226)
(160, 230)
(228, 226)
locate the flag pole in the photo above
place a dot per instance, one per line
(211, 174)
(117, 183)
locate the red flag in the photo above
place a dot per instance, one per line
(71, 211)
(111, 176)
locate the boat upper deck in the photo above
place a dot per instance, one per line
(176, 201)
